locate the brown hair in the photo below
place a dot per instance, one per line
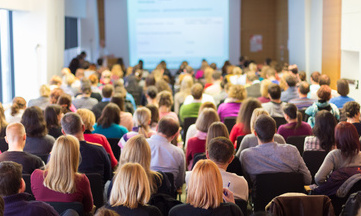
(347, 140)
(291, 110)
(197, 91)
(351, 108)
(10, 178)
(342, 87)
(168, 126)
(206, 105)
(119, 100)
(217, 129)
(220, 150)
(324, 80)
(34, 122)
(245, 113)
(324, 93)
(206, 118)
(315, 76)
(55, 94)
(107, 91)
(165, 98)
(65, 102)
(110, 115)
(155, 113)
(18, 104)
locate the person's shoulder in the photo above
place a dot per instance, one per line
(180, 209)
(41, 208)
(153, 210)
(94, 144)
(49, 138)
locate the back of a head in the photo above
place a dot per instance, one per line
(186, 84)
(141, 119)
(189, 69)
(71, 123)
(86, 87)
(119, 100)
(34, 122)
(342, 87)
(245, 112)
(152, 92)
(154, 113)
(205, 185)
(110, 115)
(107, 91)
(257, 112)
(302, 75)
(93, 79)
(44, 91)
(105, 212)
(220, 150)
(56, 80)
(15, 133)
(315, 76)
(87, 117)
(217, 75)
(265, 128)
(291, 110)
(217, 129)
(55, 94)
(324, 79)
(237, 92)
(18, 104)
(168, 126)
(271, 72)
(130, 187)
(206, 118)
(324, 93)
(136, 150)
(65, 102)
(197, 91)
(347, 140)
(252, 76)
(351, 108)
(324, 129)
(165, 98)
(291, 80)
(264, 87)
(304, 87)
(274, 91)
(10, 178)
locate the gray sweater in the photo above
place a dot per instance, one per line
(250, 140)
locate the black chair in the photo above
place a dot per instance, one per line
(27, 181)
(302, 111)
(270, 185)
(115, 148)
(313, 161)
(235, 166)
(297, 141)
(97, 188)
(230, 122)
(43, 157)
(279, 121)
(197, 157)
(239, 140)
(3, 145)
(61, 207)
(242, 204)
(187, 122)
(338, 202)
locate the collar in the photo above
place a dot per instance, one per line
(87, 132)
(17, 197)
(106, 99)
(159, 138)
(201, 135)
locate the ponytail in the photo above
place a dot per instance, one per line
(142, 129)
(299, 120)
(14, 109)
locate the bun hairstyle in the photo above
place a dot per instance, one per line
(141, 119)
(18, 104)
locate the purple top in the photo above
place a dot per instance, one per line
(304, 129)
(228, 110)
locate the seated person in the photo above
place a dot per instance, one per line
(191, 110)
(269, 156)
(303, 101)
(253, 86)
(343, 89)
(165, 102)
(352, 110)
(12, 188)
(215, 88)
(43, 100)
(107, 93)
(291, 92)
(220, 150)
(16, 137)
(85, 100)
(232, 104)
(53, 115)
(275, 106)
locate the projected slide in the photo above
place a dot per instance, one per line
(177, 30)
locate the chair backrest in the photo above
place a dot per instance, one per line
(239, 140)
(279, 121)
(270, 185)
(187, 122)
(3, 145)
(230, 122)
(297, 141)
(302, 111)
(61, 207)
(197, 157)
(235, 166)
(97, 188)
(313, 161)
(27, 181)
(171, 180)
(353, 205)
(115, 148)
(242, 204)
(43, 157)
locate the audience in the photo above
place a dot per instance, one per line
(125, 116)
(85, 100)
(165, 102)
(65, 102)
(232, 104)
(185, 90)
(343, 89)
(3, 122)
(291, 92)
(275, 106)
(215, 88)
(325, 80)
(264, 91)
(151, 95)
(315, 76)
(191, 110)
(16, 111)
(15, 137)
(107, 92)
(253, 85)
(303, 101)
(12, 188)
(154, 116)
(37, 139)
(43, 100)
(53, 116)
(352, 110)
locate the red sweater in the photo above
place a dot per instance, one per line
(194, 146)
(102, 140)
(237, 130)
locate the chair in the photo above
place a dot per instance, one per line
(242, 204)
(235, 166)
(239, 140)
(197, 157)
(27, 181)
(43, 157)
(115, 147)
(60, 207)
(97, 188)
(302, 111)
(187, 122)
(230, 122)
(279, 121)
(313, 161)
(338, 202)
(270, 185)
(3, 145)
(297, 141)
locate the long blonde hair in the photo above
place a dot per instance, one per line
(131, 187)
(205, 185)
(61, 170)
(137, 150)
(141, 119)
(3, 122)
(186, 85)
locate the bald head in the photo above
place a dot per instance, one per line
(15, 135)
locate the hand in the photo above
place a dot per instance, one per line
(228, 195)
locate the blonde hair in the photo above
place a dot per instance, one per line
(141, 119)
(117, 71)
(186, 85)
(237, 71)
(165, 98)
(206, 118)
(257, 112)
(3, 122)
(158, 75)
(69, 79)
(44, 91)
(252, 67)
(131, 187)
(205, 186)
(88, 118)
(62, 167)
(208, 72)
(237, 92)
(264, 87)
(217, 129)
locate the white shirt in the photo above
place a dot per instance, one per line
(213, 89)
(205, 98)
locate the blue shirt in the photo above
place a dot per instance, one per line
(289, 94)
(130, 98)
(340, 101)
(114, 131)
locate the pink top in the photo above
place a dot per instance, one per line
(82, 193)
(102, 140)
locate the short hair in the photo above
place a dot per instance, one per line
(152, 92)
(252, 76)
(217, 129)
(304, 87)
(86, 87)
(257, 112)
(18, 104)
(302, 75)
(15, 132)
(65, 102)
(324, 79)
(324, 129)
(154, 113)
(206, 104)
(165, 98)
(168, 126)
(245, 113)
(119, 99)
(10, 178)
(44, 91)
(264, 87)
(71, 123)
(110, 115)
(189, 69)
(93, 79)
(130, 187)
(206, 118)
(265, 127)
(237, 92)
(347, 140)
(291, 80)
(342, 87)
(315, 76)
(105, 212)
(197, 91)
(107, 91)
(87, 117)
(55, 94)
(271, 72)
(51, 114)
(351, 108)
(217, 75)
(324, 93)
(205, 187)
(56, 80)
(274, 91)
(34, 122)
(63, 165)
(220, 150)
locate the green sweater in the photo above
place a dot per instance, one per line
(189, 110)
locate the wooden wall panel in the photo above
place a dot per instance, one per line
(282, 31)
(101, 21)
(331, 40)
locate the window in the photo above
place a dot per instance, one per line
(71, 32)
(7, 87)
